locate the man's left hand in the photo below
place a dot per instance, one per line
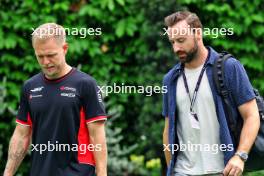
(234, 167)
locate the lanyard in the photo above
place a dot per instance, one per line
(192, 99)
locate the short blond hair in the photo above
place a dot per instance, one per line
(47, 31)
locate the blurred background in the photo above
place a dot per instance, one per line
(131, 50)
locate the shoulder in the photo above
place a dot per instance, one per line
(33, 80)
(84, 78)
(167, 77)
(232, 65)
(232, 62)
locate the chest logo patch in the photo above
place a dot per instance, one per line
(34, 96)
(68, 95)
(37, 89)
(62, 88)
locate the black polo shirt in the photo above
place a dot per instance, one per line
(58, 111)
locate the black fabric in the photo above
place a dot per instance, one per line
(75, 169)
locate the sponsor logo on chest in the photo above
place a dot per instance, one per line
(70, 94)
(37, 89)
(62, 88)
(34, 91)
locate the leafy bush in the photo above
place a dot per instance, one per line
(131, 50)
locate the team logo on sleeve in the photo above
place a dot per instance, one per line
(99, 96)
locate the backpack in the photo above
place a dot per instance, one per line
(256, 156)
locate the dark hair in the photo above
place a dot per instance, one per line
(191, 18)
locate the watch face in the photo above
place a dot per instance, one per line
(244, 156)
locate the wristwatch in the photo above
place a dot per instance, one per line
(242, 155)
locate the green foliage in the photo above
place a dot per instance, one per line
(258, 173)
(246, 44)
(118, 161)
(132, 50)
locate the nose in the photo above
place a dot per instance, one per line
(176, 48)
(45, 61)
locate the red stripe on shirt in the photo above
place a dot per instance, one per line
(28, 122)
(96, 118)
(85, 157)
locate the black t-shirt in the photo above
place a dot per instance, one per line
(58, 111)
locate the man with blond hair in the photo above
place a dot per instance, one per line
(194, 112)
(61, 112)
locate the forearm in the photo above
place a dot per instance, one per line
(101, 157)
(97, 138)
(248, 134)
(167, 153)
(17, 150)
(166, 141)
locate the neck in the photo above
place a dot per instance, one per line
(65, 70)
(199, 59)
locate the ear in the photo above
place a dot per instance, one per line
(65, 47)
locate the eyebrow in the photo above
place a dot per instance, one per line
(177, 38)
(48, 54)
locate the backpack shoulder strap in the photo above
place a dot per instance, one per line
(218, 72)
(218, 76)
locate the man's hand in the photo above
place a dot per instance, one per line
(234, 167)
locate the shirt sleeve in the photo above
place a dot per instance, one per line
(23, 116)
(239, 84)
(165, 100)
(92, 102)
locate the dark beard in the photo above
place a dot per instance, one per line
(191, 54)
